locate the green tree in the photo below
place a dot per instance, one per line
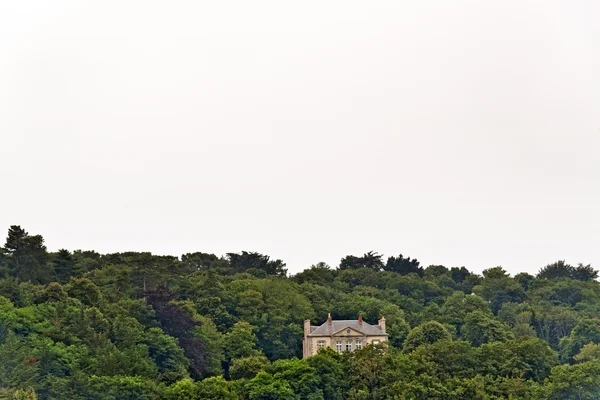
(328, 366)
(586, 331)
(27, 255)
(371, 260)
(85, 290)
(559, 269)
(403, 266)
(427, 333)
(319, 274)
(217, 388)
(256, 262)
(301, 377)
(24, 394)
(240, 341)
(574, 382)
(480, 328)
(247, 367)
(63, 263)
(166, 354)
(458, 305)
(265, 386)
(498, 288)
(588, 352)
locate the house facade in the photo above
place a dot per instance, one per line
(342, 335)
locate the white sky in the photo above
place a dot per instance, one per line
(458, 132)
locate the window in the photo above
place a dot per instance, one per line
(375, 342)
(338, 346)
(349, 345)
(320, 343)
(358, 344)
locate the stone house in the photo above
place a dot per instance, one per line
(342, 335)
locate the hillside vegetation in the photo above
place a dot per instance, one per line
(84, 325)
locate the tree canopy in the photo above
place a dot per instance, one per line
(77, 324)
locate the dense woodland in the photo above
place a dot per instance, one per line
(84, 325)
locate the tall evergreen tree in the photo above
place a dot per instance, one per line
(63, 265)
(27, 255)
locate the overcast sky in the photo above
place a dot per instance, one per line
(457, 132)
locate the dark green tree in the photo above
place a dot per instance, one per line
(63, 263)
(371, 260)
(27, 255)
(255, 262)
(403, 266)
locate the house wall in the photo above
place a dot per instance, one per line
(310, 344)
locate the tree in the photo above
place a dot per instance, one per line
(585, 273)
(319, 274)
(301, 377)
(371, 260)
(84, 290)
(63, 265)
(265, 386)
(366, 369)
(559, 269)
(524, 279)
(24, 394)
(403, 266)
(427, 333)
(435, 270)
(574, 382)
(247, 367)
(166, 354)
(255, 262)
(459, 275)
(588, 352)
(522, 327)
(586, 331)
(497, 287)
(216, 388)
(240, 341)
(27, 255)
(181, 325)
(458, 305)
(202, 261)
(480, 328)
(328, 366)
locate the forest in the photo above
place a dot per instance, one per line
(83, 325)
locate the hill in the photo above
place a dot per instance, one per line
(84, 325)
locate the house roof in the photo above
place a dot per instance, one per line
(336, 326)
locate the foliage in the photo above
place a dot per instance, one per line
(427, 333)
(81, 325)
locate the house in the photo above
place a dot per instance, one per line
(342, 335)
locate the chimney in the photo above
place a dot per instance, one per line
(329, 318)
(382, 323)
(306, 327)
(305, 341)
(360, 319)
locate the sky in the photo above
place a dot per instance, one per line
(463, 133)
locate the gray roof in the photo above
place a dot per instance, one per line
(329, 329)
